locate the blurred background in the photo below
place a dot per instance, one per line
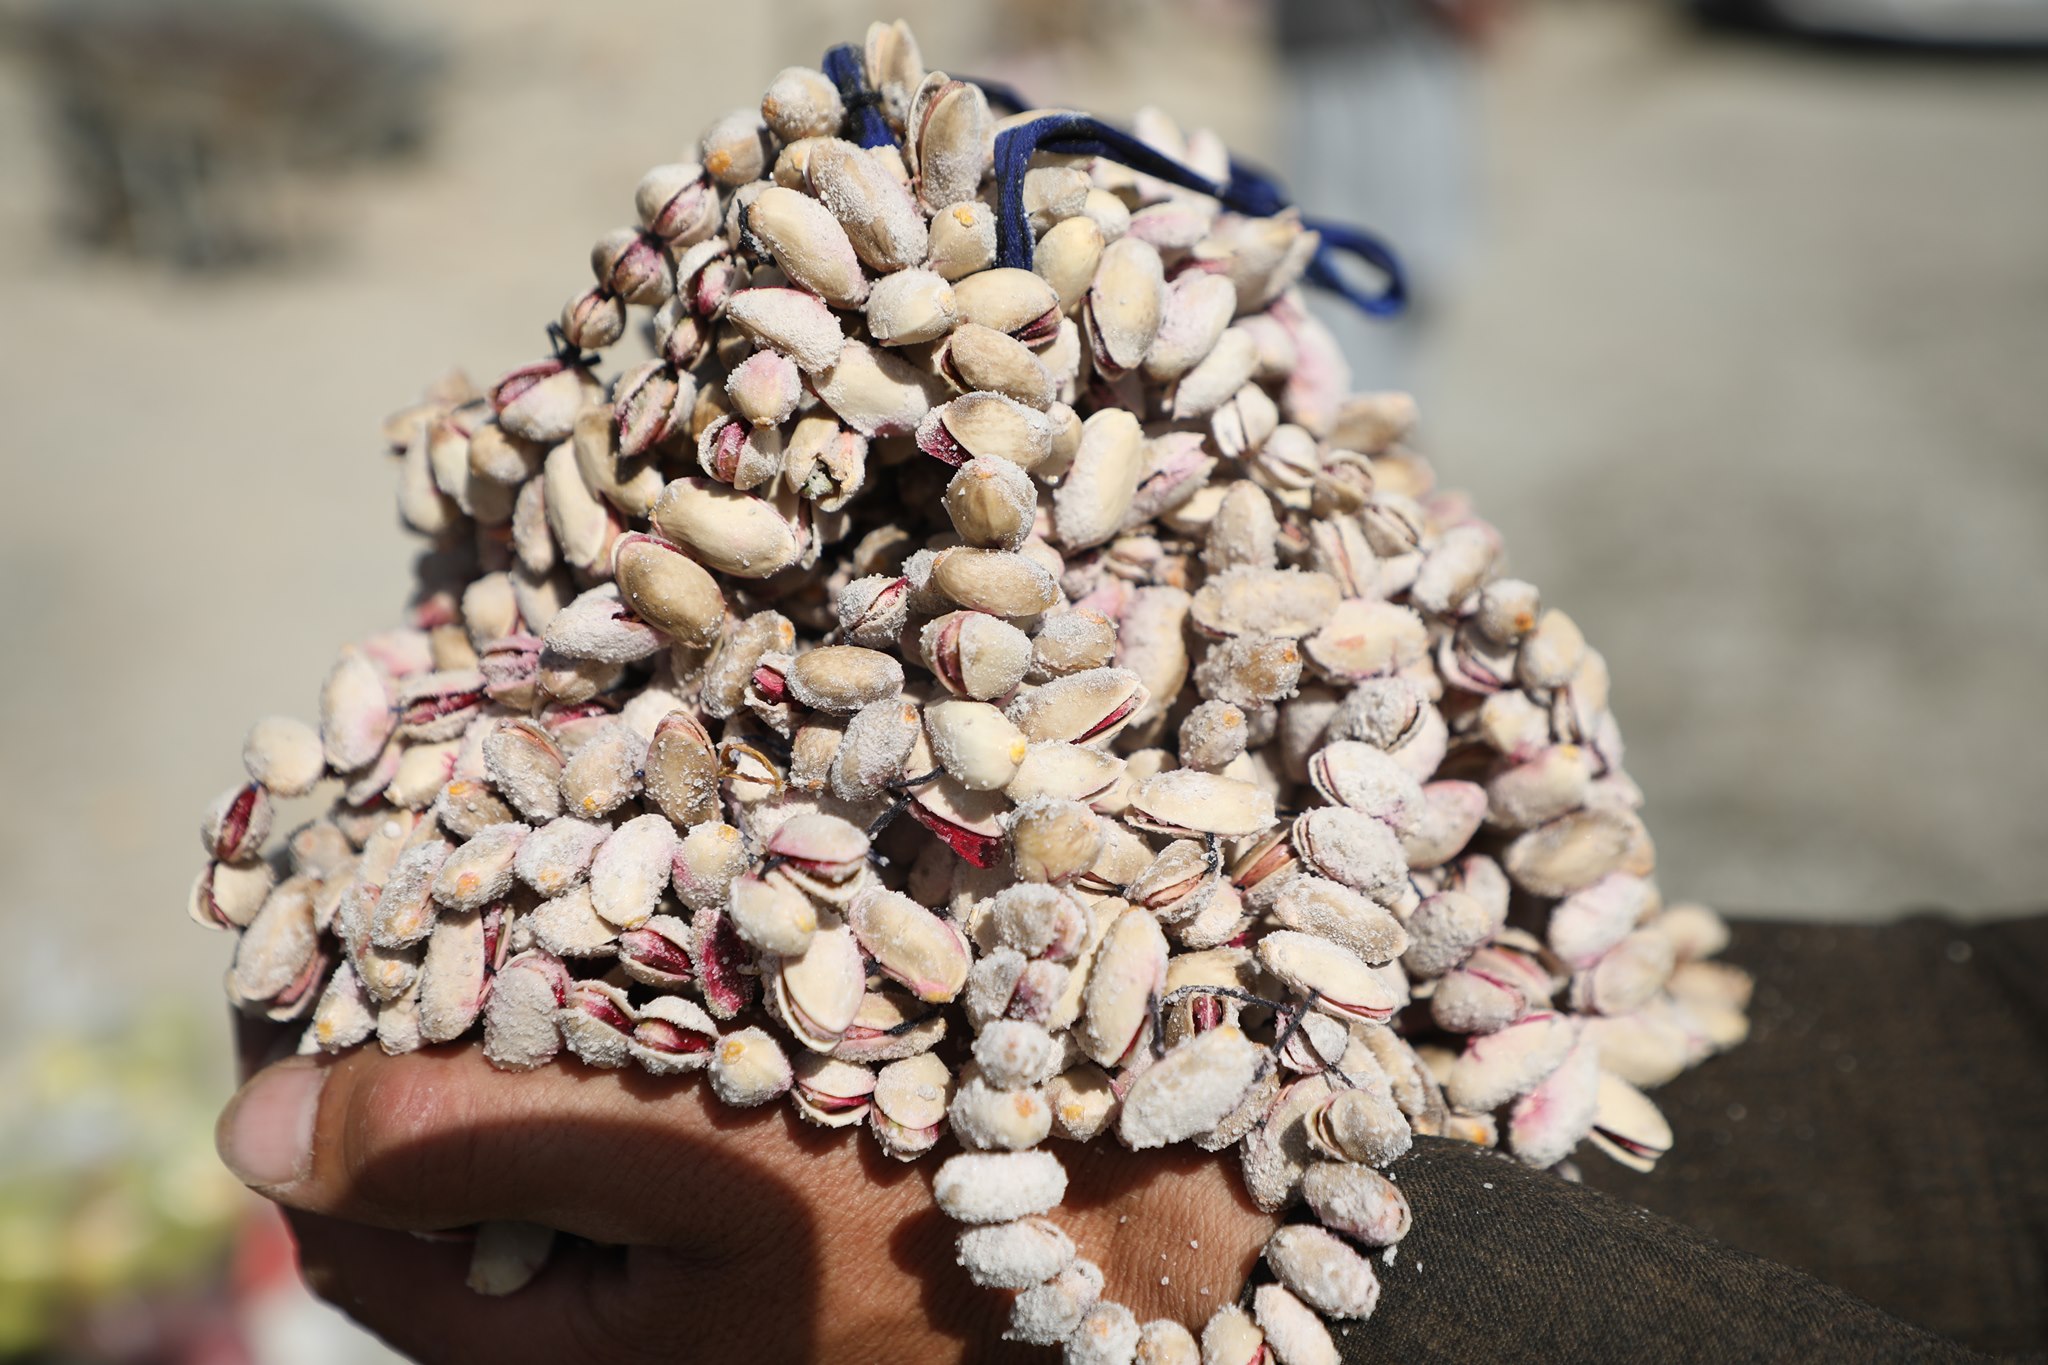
(1739, 335)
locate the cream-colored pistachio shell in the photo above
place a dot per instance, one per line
(963, 240)
(874, 207)
(1571, 853)
(1000, 582)
(1067, 257)
(1282, 603)
(793, 321)
(809, 244)
(729, 531)
(1009, 300)
(1345, 987)
(1083, 707)
(1189, 1090)
(1331, 910)
(772, 915)
(928, 954)
(999, 1187)
(818, 991)
(844, 678)
(1125, 303)
(978, 358)
(1324, 1271)
(875, 392)
(975, 742)
(910, 308)
(1094, 497)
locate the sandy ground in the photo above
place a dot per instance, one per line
(1746, 363)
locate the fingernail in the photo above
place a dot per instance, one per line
(266, 1136)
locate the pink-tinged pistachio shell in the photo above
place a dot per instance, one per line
(991, 502)
(539, 402)
(1627, 1126)
(1231, 1338)
(1127, 974)
(1627, 976)
(910, 1101)
(732, 532)
(593, 319)
(929, 955)
(988, 425)
(749, 1068)
(1092, 705)
(910, 308)
(1365, 778)
(678, 203)
(724, 963)
(873, 207)
(1571, 853)
(1331, 910)
(658, 953)
(631, 264)
(1093, 499)
(569, 927)
(284, 756)
(947, 140)
(1585, 924)
(1324, 1271)
(772, 915)
(1443, 929)
(1198, 307)
(672, 1036)
(356, 711)
(1047, 1314)
(974, 654)
(873, 610)
(791, 321)
(830, 1093)
(1016, 1254)
(1358, 1202)
(1185, 802)
(480, 871)
(1550, 784)
(438, 706)
(1345, 986)
(1488, 991)
(1283, 603)
(597, 1024)
(1498, 1067)
(1451, 815)
(888, 1027)
(1125, 304)
(819, 852)
(1189, 1090)
(1360, 1124)
(962, 239)
(999, 1187)
(817, 992)
(808, 243)
(1010, 300)
(1037, 920)
(1695, 930)
(1294, 1334)
(237, 823)
(1549, 1121)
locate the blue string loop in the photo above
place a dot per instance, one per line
(1249, 191)
(846, 68)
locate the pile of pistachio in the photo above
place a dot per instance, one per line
(1025, 705)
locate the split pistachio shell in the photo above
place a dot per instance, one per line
(1128, 971)
(732, 532)
(1343, 985)
(1189, 802)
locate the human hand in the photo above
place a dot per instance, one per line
(743, 1233)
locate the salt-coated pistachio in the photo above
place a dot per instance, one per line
(911, 307)
(1016, 1254)
(1324, 1271)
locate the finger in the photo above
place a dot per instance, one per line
(441, 1139)
(259, 1042)
(414, 1295)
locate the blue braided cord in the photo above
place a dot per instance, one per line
(847, 69)
(1249, 191)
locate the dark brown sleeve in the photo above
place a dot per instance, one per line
(1885, 1128)
(1508, 1264)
